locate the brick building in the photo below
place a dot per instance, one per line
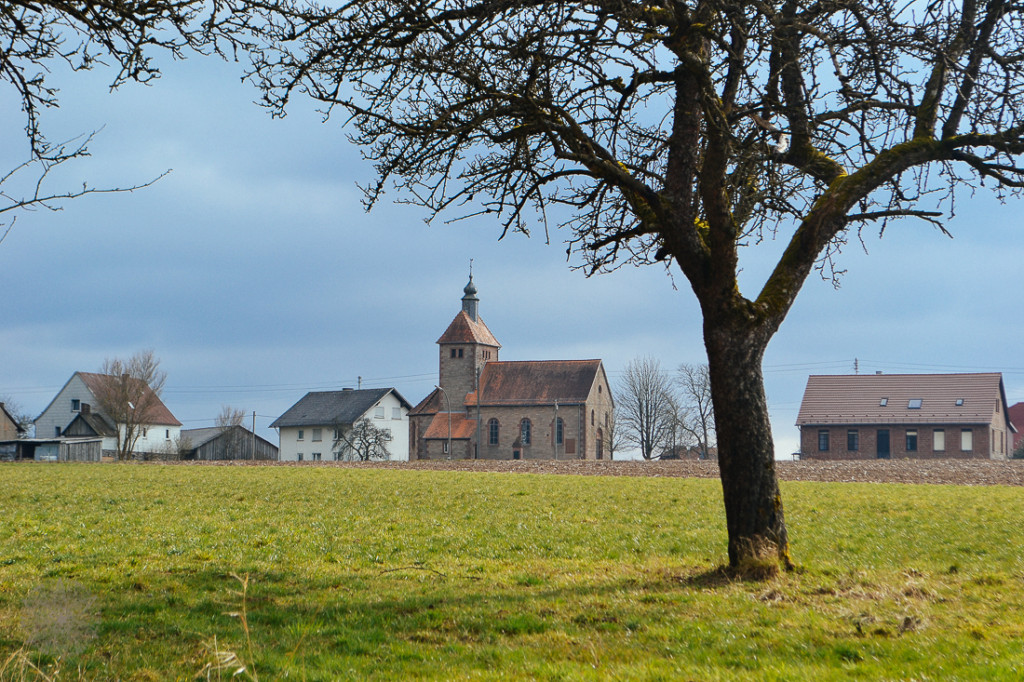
(491, 409)
(905, 416)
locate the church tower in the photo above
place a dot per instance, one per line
(465, 347)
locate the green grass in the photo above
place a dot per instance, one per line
(137, 573)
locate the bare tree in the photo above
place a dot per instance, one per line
(647, 405)
(20, 416)
(698, 420)
(361, 442)
(614, 434)
(130, 395)
(231, 419)
(679, 133)
(40, 37)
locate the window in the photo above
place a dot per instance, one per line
(823, 440)
(145, 431)
(853, 440)
(599, 446)
(337, 433)
(914, 404)
(300, 456)
(316, 456)
(318, 435)
(167, 434)
(883, 402)
(911, 440)
(385, 434)
(56, 431)
(76, 405)
(492, 432)
(559, 431)
(302, 434)
(456, 352)
(939, 440)
(967, 440)
(396, 412)
(524, 432)
(591, 417)
(444, 447)
(959, 402)
(378, 412)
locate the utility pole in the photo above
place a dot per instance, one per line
(253, 435)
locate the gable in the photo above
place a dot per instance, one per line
(156, 413)
(902, 399)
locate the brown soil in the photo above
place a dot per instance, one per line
(945, 472)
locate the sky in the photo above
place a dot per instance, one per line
(254, 274)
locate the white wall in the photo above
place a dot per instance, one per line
(291, 445)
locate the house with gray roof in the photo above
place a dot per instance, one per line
(311, 428)
(905, 416)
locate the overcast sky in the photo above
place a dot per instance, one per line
(254, 274)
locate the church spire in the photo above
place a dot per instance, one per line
(470, 303)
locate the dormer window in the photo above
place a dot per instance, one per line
(914, 404)
(883, 402)
(959, 402)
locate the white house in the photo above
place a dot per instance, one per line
(75, 412)
(309, 430)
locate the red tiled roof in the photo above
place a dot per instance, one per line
(463, 428)
(464, 330)
(1017, 419)
(157, 412)
(538, 382)
(857, 399)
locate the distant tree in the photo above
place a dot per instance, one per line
(647, 405)
(614, 434)
(20, 416)
(678, 133)
(1018, 452)
(698, 420)
(362, 442)
(129, 395)
(231, 420)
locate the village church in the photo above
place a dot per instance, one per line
(484, 408)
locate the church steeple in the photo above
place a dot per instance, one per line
(470, 303)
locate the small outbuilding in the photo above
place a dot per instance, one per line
(217, 443)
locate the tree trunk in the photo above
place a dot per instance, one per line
(746, 453)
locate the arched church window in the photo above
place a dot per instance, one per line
(524, 431)
(492, 432)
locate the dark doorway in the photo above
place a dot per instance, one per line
(883, 443)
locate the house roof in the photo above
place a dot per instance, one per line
(318, 408)
(18, 427)
(98, 423)
(464, 329)
(1017, 415)
(463, 428)
(157, 413)
(202, 436)
(902, 399)
(537, 382)
(429, 405)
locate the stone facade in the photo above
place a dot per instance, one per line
(490, 400)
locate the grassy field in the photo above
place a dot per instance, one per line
(141, 572)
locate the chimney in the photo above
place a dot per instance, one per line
(86, 408)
